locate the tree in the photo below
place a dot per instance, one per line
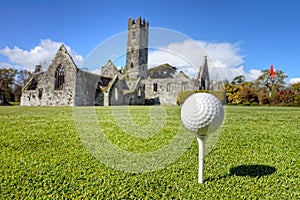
(266, 82)
(7, 80)
(21, 79)
(240, 91)
(266, 85)
(295, 87)
(238, 80)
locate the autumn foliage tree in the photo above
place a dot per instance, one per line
(240, 91)
(247, 93)
(284, 97)
(267, 87)
(264, 90)
(295, 87)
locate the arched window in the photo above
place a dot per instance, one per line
(59, 77)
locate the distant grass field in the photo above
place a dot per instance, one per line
(42, 157)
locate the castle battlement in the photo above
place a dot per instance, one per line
(138, 23)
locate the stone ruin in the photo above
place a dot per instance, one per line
(64, 84)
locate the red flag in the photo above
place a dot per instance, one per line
(272, 71)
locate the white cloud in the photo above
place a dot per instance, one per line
(294, 80)
(41, 54)
(226, 53)
(224, 59)
(253, 74)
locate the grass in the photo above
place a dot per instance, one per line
(42, 157)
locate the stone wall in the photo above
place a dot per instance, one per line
(85, 89)
(164, 91)
(135, 85)
(45, 94)
(109, 70)
(136, 94)
(115, 92)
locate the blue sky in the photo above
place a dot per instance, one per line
(242, 36)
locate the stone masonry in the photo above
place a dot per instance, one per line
(64, 84)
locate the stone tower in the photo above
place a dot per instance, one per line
(137, 48)
(203, 76)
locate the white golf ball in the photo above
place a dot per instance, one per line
(202, 113)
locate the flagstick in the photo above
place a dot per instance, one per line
(201, 141)
(272, 80)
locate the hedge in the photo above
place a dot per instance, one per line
(183, 95)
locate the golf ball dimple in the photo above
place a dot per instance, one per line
(202, 113)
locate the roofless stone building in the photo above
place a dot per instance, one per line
(64, 84)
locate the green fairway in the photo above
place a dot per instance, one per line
(42, 157)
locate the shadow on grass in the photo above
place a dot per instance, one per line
(247, 170)
(252, 170)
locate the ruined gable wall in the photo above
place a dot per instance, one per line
(109, 70)
(45, 93)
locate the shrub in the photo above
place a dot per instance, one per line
(297, 99)
(183, 95)
(248, 95)
(263, 98)
(254, 104)
(233, 94)
(246, 104)
(284, 97)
